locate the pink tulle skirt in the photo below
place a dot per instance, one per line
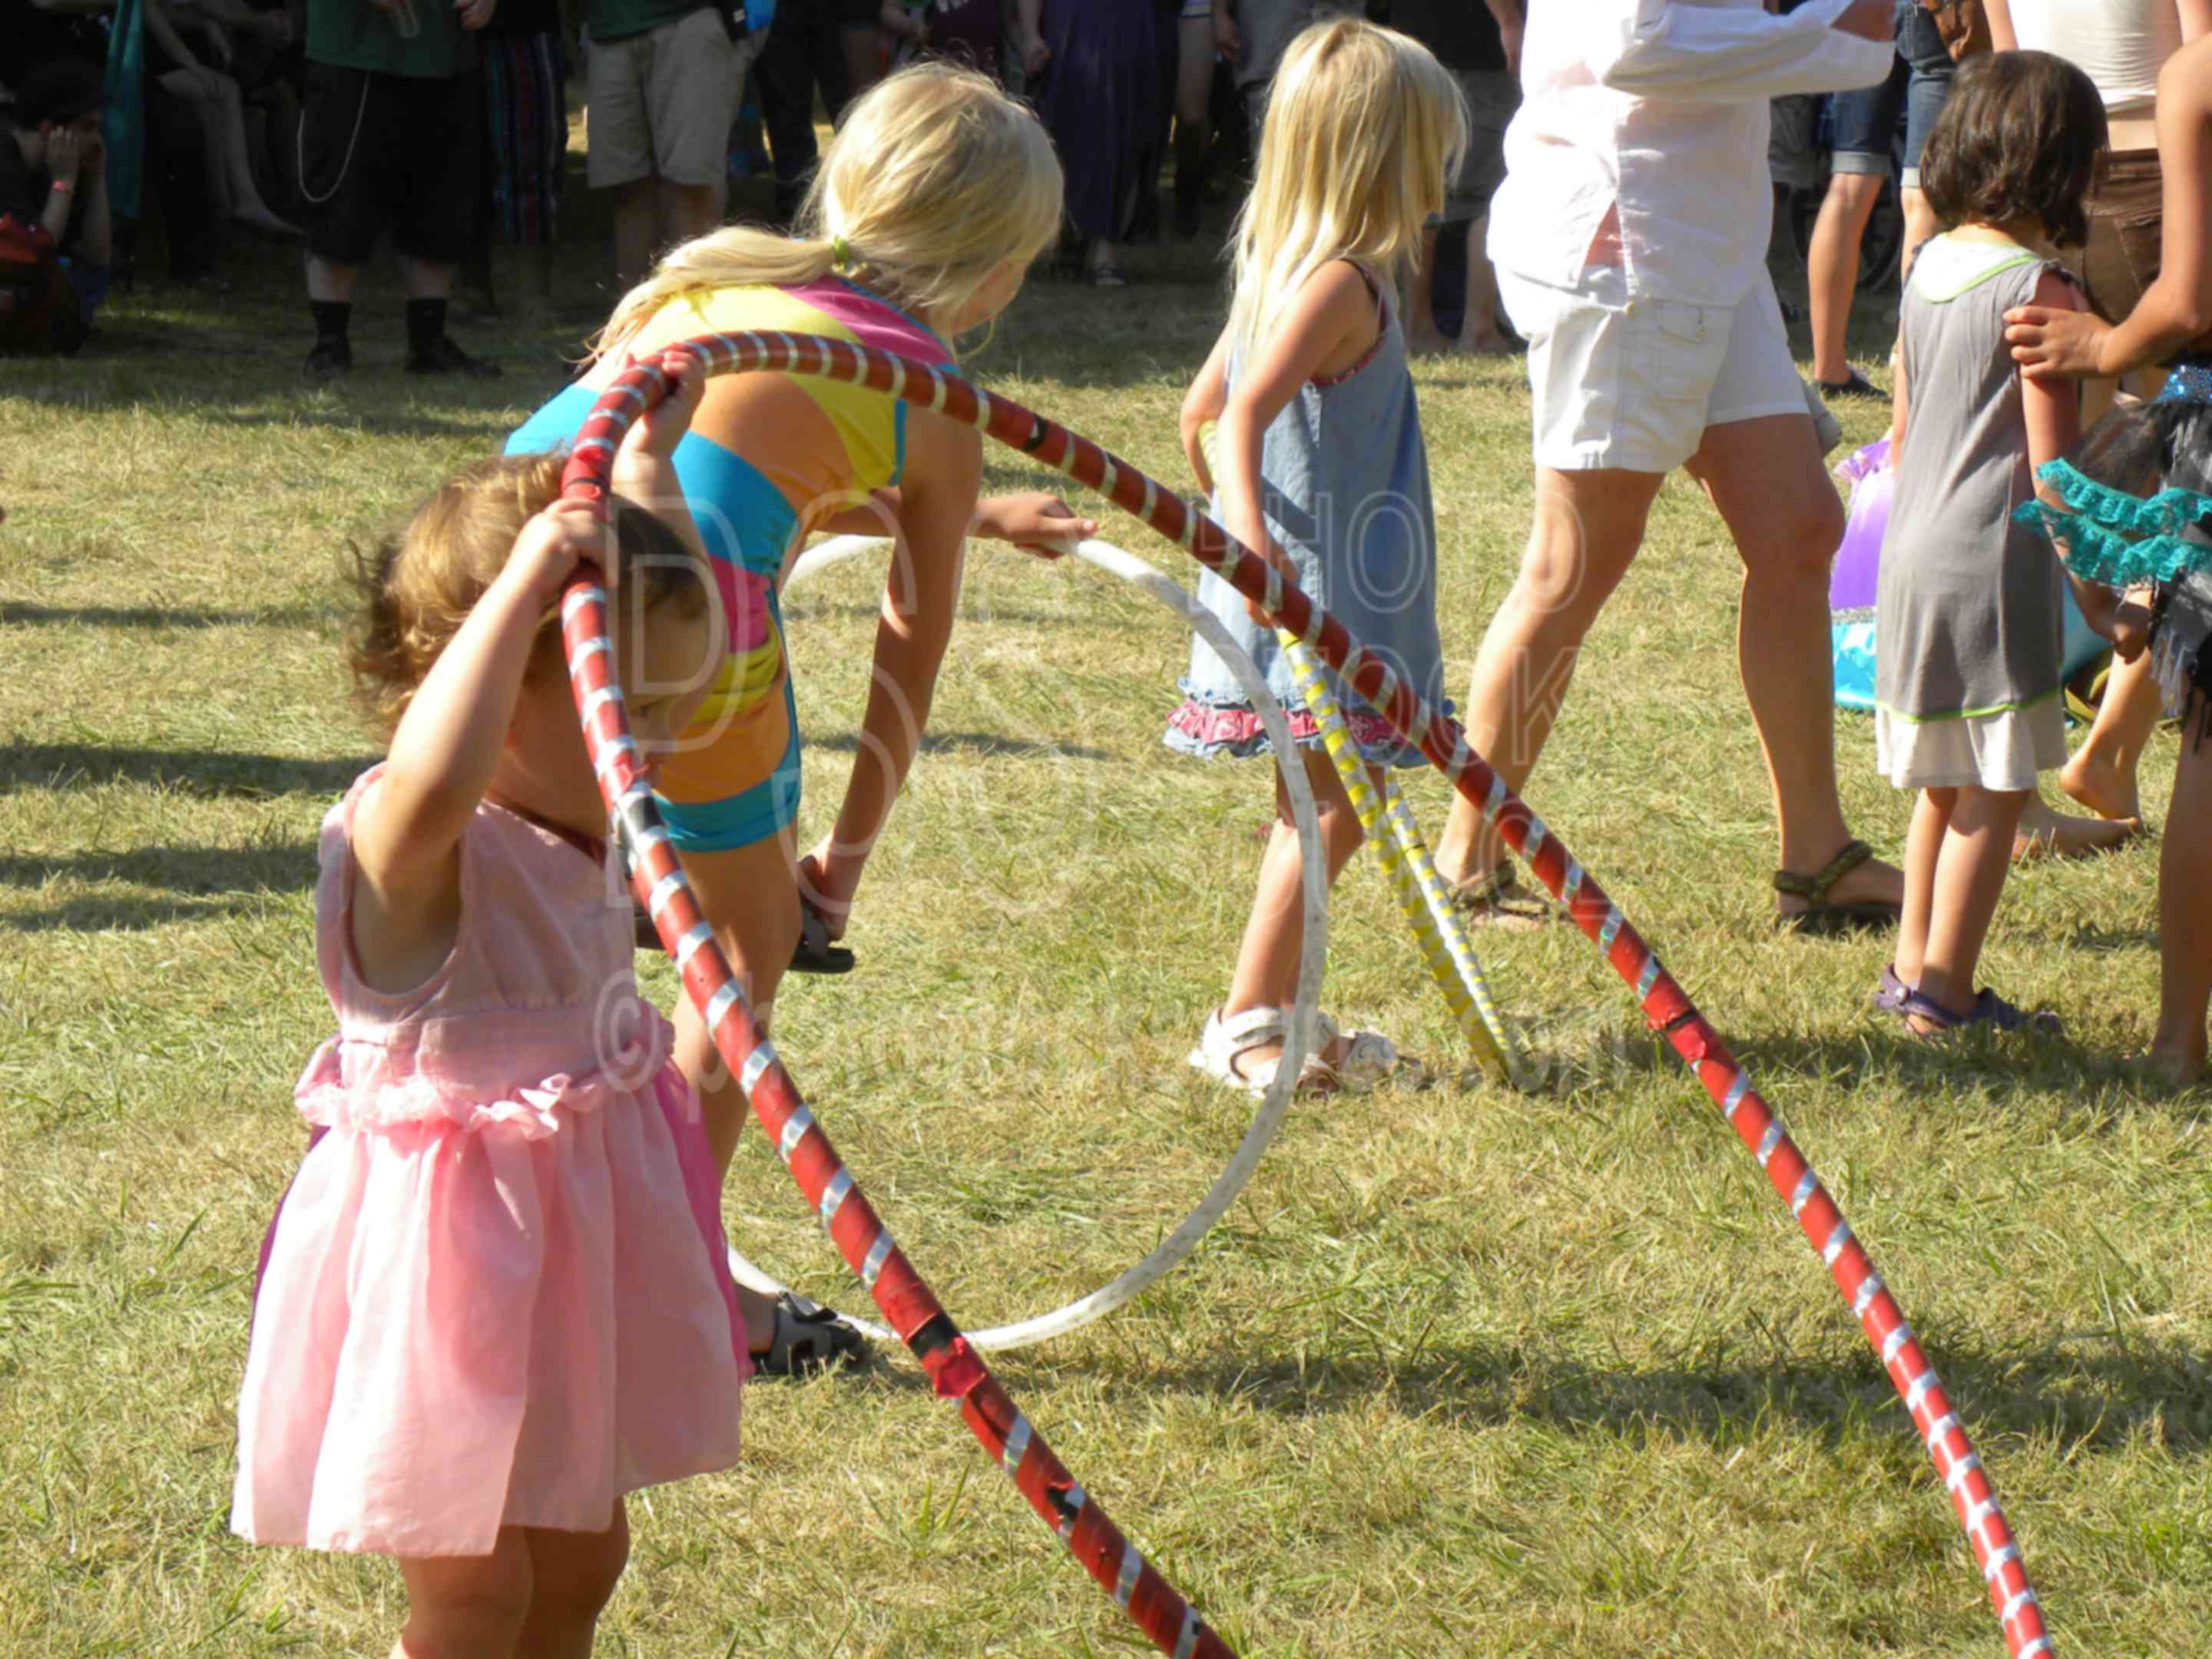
(468, 1321)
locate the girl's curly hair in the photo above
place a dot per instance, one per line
(415, 588)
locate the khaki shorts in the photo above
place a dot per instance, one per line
(1634, 384)
(662, 103)
(1491, 100)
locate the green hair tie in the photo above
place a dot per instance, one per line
(841, 252)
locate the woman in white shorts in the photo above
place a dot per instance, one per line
(1630, 237)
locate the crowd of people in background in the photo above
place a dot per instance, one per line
(441, 128)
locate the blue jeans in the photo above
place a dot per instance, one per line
(1865, 121)
(91, 283)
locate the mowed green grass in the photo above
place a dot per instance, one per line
(1463, 1372)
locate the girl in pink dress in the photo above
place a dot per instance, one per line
(495, 1298)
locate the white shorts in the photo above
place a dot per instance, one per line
(1633, 384)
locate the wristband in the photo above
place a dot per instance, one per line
(62, 186)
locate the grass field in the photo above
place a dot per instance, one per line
(1463, 1372)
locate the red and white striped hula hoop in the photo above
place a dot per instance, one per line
(913, 1311)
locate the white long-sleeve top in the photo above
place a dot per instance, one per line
(1658, 108)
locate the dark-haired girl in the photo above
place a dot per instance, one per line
(1968, 612)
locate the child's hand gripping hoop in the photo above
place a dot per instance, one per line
(913, 1311)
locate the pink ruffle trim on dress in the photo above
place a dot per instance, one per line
(357, 1083)
(1212, 729)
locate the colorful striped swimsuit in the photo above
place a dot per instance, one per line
(735, 780)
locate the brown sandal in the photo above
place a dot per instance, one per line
(1820, 916)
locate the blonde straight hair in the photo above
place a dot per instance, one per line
(934, 179)
(1363, 132)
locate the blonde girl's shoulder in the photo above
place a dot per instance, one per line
(1340, 309)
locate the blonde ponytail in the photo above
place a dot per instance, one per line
(935, 179)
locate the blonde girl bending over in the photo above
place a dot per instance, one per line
(929, 206)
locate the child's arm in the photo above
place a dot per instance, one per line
(944, 468)
(1900, 404)
(1208, 397)
(1035, 520)
(2052, 411)
(645, 467)
(1332, 314)
(407, 829)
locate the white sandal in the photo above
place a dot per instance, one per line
(1369, 1056)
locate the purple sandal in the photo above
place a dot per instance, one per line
(1889, 996)
(1990, 1009)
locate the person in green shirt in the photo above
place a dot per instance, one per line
(391, 138)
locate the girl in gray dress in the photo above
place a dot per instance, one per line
(1967, 613)
(1322, 470)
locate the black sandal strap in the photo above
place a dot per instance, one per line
(1814, 889)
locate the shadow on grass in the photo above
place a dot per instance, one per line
(2109, 940)
(1600, 1054)
(2097, 1402)
(973, 612)
(195, 883)
(149, 615)
(254, 777)
(987, 745)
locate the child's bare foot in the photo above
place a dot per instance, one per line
(2044, 833)
(1428, 337)
(2164, 1068)
(1483, 342)
(2102, 787)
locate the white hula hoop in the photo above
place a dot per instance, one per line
(1299, 1037)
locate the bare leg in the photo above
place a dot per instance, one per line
(1422, 333)
(470, 1607)
(690, 210)
(248, 208)
(1920, 224)
(750, 894)
(189, 87)
(573, 1574)
(1587, 528)
(1969, 877)
(1923, 847)
(1266, 972)
(1479, 332)
(326, 281)
(1194, 84)
(635, 226)
(1766, 478)
(2101, 774)
(864, 59)
(424, 280)
(2185, 920)
(1832, 269)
